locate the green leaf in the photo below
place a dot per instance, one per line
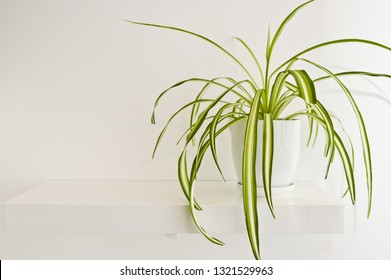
(184, 178)
(281, 105)
(204, 113)
(253, 57)
(188, 129)
(212, 81)
(205, 143)
(212, 132)
(172, 118)
(190, 184)
(305, 85)
(278, 85)
(352, 156)
(323, 114)
(352, 73)
(268, 45)
(249, 176)
(282, 25)
(333, 42)
(194, 217)
(188, 190)
(239, 108)
(153, 119)
(306, 90)
(321, 111)
(195, 108)
(363, 131)
(381, 96)
(350, 144)
(347, 164)
(201, 37)
(267, 159)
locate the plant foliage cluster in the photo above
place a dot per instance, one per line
(263, 96)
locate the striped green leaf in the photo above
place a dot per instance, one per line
(212, 132)
(195, 220)
(363, 131)
(282, 26)
(267, 159)
(200, 95)
(249, 176)
(265, 104)
(278, 86)
(306, 90)
(281, 105)
(352, 153)
(344, 155)
(321, 111)
(253, 57)
(205, 144)
(163, 131)
(184, 178)
(354, 73)
(189, 185)
(305, 85)
(201, 118)
(207, 83)
(201, 37)
(328, 43)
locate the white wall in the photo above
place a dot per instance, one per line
(77, 85)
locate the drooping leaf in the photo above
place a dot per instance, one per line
(344, 155)
(163, 131)
(267, 159)
(278, 86)
(201, 37)
(200, 95)
(354, 73)
(206, 81)
(190, 183)
(333, 42)
(281, 105)
(212, 133)
(362, 127)
(321, 111)
(204, 114)
(249, 176)
(184, 178)
(306, 90)
(305, 85)
(205, 144)
(195, 220)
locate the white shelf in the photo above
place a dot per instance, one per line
(160, 207)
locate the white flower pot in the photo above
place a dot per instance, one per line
(287, 135)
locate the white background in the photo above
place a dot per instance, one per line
(77, 86)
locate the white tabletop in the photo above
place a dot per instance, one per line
(160, 207)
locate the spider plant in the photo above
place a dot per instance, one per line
(263, 97)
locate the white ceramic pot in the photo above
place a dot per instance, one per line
(287, 135)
